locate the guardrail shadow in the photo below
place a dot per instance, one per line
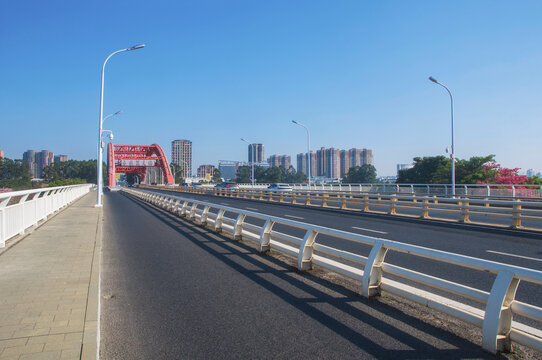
(349, 315)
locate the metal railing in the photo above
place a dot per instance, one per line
(513, 212)
(20, 210)
(497, 307)
(473, 190)
(512, 191)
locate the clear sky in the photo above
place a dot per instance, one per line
(355, 72)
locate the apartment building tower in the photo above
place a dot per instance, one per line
(280, 160)
(61, 158)
(334, 163)
(181, 154)
(258, 153)
(29, 158)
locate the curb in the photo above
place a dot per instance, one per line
(91, 332)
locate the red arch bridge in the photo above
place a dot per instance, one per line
(135, 159)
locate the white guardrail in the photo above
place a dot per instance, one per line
(20, 210)
(497, 309)
(511, 213)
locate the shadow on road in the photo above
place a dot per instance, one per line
(374, 327)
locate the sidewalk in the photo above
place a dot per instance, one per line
(49, 288)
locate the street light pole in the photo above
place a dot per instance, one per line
(99, 180)
(308, 151)
(453, 145)
(252, 159)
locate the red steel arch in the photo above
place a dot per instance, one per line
(134, 159)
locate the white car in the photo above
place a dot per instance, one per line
(280, 187)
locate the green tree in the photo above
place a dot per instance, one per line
(438, 170)
(14, 174)
(273, 175)
(361, 174)
(243, 174)
(216, 176)
(178, 173)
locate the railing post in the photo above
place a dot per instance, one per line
(425, 209)
(392, 206)
(304, 258)
(265, 236)
(183, 208)
(366, 203)
(204, 215)
(465, 211)
(372, 272)
(324, 200)
(516, 215)
(498, 315)
(238, 227)
(218, 220)
(343, 202)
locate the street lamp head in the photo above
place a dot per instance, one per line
(433, 79)
(295, 122)
(135, 47)
(117, 113)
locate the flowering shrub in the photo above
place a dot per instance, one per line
(495, 174)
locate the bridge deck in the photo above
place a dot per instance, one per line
(175, 290)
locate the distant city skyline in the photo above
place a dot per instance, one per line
(353, 72)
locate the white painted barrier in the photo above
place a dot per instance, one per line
(20, 210)
(515, 213)
(498, 307)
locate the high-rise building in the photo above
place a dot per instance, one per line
(280, 160)
(1, 154)
(531, 173)
(345, 162)
(258, 153)
(61, 158)
(29, 158)
(181, 154)
(366, 157)
(321, 162)
(333, 163)
(206, 171)
(43, 159)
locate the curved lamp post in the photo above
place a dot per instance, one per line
(252, 159)
(99, 180)
(453, 145)
(308, 151)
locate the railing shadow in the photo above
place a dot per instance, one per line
(415, 335)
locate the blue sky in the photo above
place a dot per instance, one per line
(355, 72)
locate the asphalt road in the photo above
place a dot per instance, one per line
(520, 248)
(173, 290)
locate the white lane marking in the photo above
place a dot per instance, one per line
(294, 217)
(364, 229)
(251, 209)
(519, 256)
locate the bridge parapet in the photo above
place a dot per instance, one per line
(20, 210)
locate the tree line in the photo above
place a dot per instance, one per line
(476, 170)
(14, 174)
(279, 174)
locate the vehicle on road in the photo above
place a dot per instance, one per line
(280, 187)
(227, 185)
(196, 184)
